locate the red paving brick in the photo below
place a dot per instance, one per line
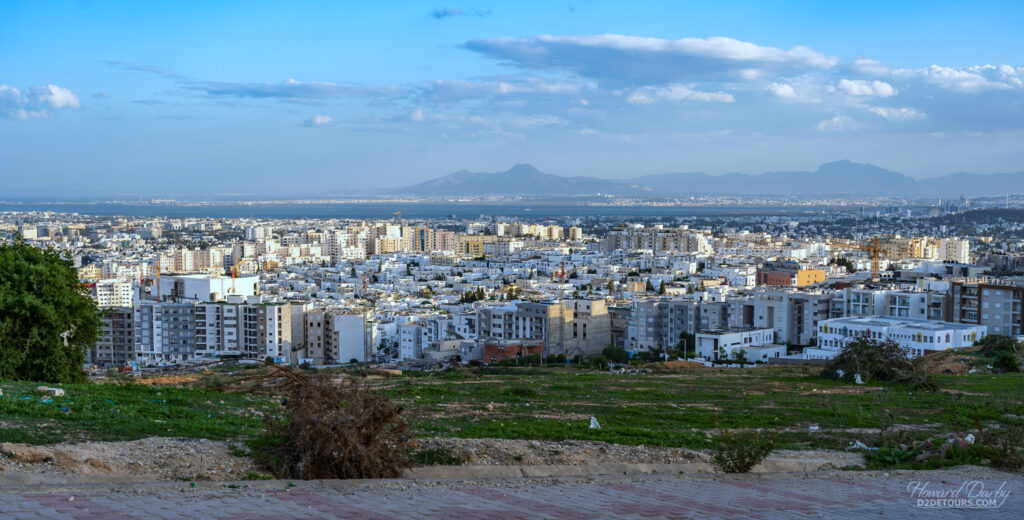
(852, 496)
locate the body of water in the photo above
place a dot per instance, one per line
(410, 210)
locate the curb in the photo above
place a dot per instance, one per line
(19, 482)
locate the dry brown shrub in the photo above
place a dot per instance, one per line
(335, 429)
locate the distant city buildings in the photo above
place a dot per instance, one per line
(416, 291)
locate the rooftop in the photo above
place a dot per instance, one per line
(890, 321)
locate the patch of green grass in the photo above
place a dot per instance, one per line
(437, 457)
(676, 409)
(252, 475)
(114, 412)
(680, 409)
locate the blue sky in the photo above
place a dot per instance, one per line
(298, 98)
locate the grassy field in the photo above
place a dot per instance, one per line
(679, 408)
(113, 412)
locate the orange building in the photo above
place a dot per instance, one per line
(789, 274)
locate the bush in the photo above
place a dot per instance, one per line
(520, 391)
(878, 361)
(437, 457)
(334, 429)
(616, 354)
(1008, 447)
(600, 363)
(739, 452)
(1006, 360)
(554, 358)
(994, 345)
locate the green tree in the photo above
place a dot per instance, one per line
(650, 286)
(740, 356)
(47, 319)
(662, 289)
(687, 344)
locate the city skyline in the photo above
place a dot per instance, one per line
(113, 98)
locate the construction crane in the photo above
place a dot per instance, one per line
(236, 271)
(873, 248)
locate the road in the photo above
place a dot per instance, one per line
(832, 495)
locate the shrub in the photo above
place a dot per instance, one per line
(1008, 447)
(878, 361)
(739, 452)
(554, 358)
(1006, 360)
(616, 354)
(520, 391)
(334, 429)
(993, 345)
(600, 362)
(437, 457)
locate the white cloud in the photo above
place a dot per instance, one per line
(288, 90)
(458, 90)
(646, 95)
(837, 123)
(800, 90)
(972, 79)
(750, 74)
(859, 87)
(635, 59)
(782, 90)
(898, 114)
(57, 97)
(539, 121)
(416, 115)
(869, 66)
(35, 102)
(318, 120)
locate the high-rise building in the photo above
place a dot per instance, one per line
(113, 293)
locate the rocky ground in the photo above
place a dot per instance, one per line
(163, 458)
(505, 452)
(190, 459)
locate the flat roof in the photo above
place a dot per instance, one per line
(892, 321)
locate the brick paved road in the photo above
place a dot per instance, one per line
(835, 495)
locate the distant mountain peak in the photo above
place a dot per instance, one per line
(843, 177)
(523, 167)
(520, 179)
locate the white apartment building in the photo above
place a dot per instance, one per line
(955, 250)
(164, 332)
(334, 336)
(715, 345)
(205, 287)
(113, 293)
(249, 330)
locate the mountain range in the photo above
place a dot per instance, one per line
(834, 178)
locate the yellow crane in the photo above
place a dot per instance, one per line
(236, 271)
(873, 248)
